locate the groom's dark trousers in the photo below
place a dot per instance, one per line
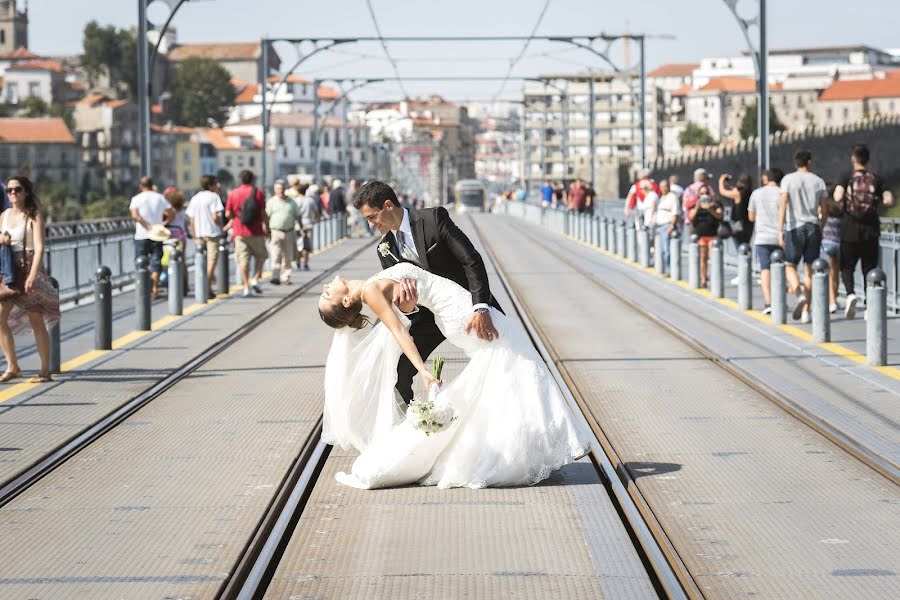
(444, 250)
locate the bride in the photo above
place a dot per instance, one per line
(511, 426)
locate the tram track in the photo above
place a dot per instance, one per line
(847, 442)
(15, 486)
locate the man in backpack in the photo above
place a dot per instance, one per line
(246, 209)
(863, 195)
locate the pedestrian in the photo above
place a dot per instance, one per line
(831, 220)
(691, 196)
(668, 213)
(674, 187)
(36, 305)
(799, 232)
(706, 216)
(148, 209)
(577, 196)
(178, 225)
(337, 201)
(646, 208)
(282, 215)
(325, 198)
(310, 212)
(547, 193)
(355, 221)
(246, 211)
(590, 198)
(636, 191)
(863, 194)
(559, 193)
(739, 195)
(205, 219)
(762, 210)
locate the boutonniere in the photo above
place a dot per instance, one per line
(384, 249)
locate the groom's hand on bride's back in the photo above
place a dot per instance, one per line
(406, 296)
(483, 325)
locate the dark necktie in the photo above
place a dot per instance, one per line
(405, 251)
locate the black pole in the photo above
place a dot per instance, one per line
(142, 292)
(103, 303)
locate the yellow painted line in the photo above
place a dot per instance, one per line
(728, 302)
(16, 389)
(703, 292)
(166, 320)
(893, 372)
(759, 316)
(128, 338)
(845, 352)
(193, 308)
(80, 360)
(803, 335)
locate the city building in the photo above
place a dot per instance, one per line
(42, 148)
(235, 151)
(241, 59)
(293, 96)
(854, 100)
(42, 78)
(13, 26)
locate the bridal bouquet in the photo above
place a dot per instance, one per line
(430, 416)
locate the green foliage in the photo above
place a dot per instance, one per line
(202, 94)
(112, 52)
(58, 200)
(113, 206)
(749, 123)
(33, 107)
(225, 178)
(694, 135)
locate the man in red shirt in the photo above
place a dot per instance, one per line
(636, 193)
(250, 231)
(577, 196)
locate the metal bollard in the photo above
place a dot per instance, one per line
(694, 263)
(675, 256)
(611, 235)
(779, 288)
(821, 319)
(745, 278)
(630, 243)
(717, 269)
(604, 239)
(643, 235)
(876, 318)
(103, 314)
(176, 284)
(142, 292)
(594, 223)
(201, 276)
(55, 344)
(620, 238)
(222, 268)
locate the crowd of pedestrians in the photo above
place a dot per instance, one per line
(578, 196)
(796, 213)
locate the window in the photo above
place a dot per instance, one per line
(298, 138)
(827, 114)
(325, 141)
(228, 161)
(34, 88)
(281, 137)
(2, 36)
(12, 91)
(846, 113)
(186, 155)
(251, 160)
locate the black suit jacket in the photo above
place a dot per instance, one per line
(446, 251)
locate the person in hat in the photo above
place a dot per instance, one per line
(283, 216)
(149, 208)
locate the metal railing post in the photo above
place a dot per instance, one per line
(630, 243)
(643, 242)
(222, 268)
(745, 277)
(201, 275)
(717, 269)
(142, 292)
(658, 265)
(103, 305)
(55, 343)
(821, 319)
(876, 318)
(779, 288)
(675, 256)
(694, 263)
(620, 238)
(176, 284)
(604, 238)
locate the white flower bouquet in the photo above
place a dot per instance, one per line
(384, 249)
(429, 415)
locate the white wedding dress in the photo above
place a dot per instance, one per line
(512, 426)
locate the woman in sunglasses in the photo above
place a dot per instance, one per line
(36, 307)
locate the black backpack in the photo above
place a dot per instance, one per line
(249, 209)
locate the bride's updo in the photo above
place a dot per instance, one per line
(337, 315)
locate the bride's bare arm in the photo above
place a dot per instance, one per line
(378, 295)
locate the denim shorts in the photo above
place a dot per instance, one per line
(830, 248)
(802, 243)
(152, 250)
(764, 254)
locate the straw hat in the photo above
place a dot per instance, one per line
(159, 233)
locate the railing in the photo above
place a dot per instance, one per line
(76, 249)
(564, 221)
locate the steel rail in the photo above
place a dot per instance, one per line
(657, 551)
(883, 465)
(18, 484)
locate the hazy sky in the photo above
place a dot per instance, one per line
(701, 28)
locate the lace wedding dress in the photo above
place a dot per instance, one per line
(512, 426)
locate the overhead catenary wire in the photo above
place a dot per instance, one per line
(515, 61)
(385, 48)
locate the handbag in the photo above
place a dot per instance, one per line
(724, 231)
(7, 274)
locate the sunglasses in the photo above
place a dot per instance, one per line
(15, 189)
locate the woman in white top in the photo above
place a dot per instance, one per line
(36, 307)
(667, 213)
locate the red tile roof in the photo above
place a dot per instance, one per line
(328, 93)
(736, 85)
(20, 54)
(39, 65)
(862, 89)
(683, 90)
(43, 130)
(674, 70)
(290, 79)
(236, 51)
(219, 139)
(246, 92)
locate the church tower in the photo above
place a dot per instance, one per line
(13, 26)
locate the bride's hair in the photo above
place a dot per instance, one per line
(338, 315)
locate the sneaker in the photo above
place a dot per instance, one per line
(246, 293)
(850, 309)
(767, 310)
(275, 281)
(306, 267)
(804, 317)
(736, 280)
(832, 308)
(800, 308)
(257, 288)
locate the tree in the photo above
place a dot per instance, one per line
(113, 206)
(202, 94)
(102, 52)
(33, 107)
(749, 124)
(694, 135)
(129, 74)
(225, 178)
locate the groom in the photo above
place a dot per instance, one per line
(430, 239)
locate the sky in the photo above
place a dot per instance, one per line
(701, 28)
